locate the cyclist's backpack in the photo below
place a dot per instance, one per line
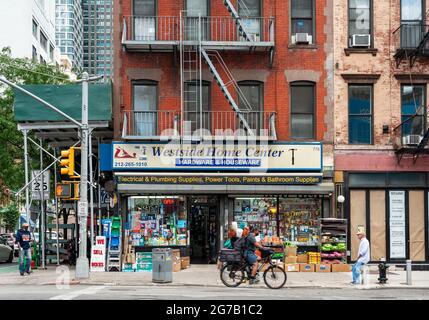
(241, 244)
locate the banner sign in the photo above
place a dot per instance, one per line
(98, 255)
(219, 157)
(219, 179)
(397, 225)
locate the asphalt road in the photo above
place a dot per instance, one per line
(81, 292)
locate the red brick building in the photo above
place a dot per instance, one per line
(258, 65)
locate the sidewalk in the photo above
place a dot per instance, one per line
(208, 275)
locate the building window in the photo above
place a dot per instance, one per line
(34, 55)
(251, 102)
(42, 61)
(302, 110)
(35, 26)
(360, 114)
(145, 106)
(411, 23)
(51, 52)
(413, 102)
(359, 21)
(192, 105)
(144, 20)
(44, 41)
(252, 11)
(193, 9)
(302, 18)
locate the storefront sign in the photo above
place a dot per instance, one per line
(397, 225)
(219, 157)
(98, 255)
(219, 179)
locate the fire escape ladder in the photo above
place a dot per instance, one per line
(238, 21)
(224, 87)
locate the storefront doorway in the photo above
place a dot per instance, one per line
(204, 228)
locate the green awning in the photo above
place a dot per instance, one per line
(67, 98)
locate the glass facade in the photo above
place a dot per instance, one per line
(98, 32)
(69, 30)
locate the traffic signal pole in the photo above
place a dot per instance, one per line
(82, 263)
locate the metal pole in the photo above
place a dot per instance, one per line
(82, 264)
(27, 197)
(409, 273)
(99, 190)
(42, 209)
(56, 210)
(91, 187)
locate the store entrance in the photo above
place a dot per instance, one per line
(204, 235)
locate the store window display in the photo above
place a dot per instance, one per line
(259, 212)
(299, 220)
(158, 220)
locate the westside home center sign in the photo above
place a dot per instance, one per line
(176, 156)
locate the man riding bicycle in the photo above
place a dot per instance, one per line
(249, 252)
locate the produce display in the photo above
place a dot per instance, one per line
(333, 245)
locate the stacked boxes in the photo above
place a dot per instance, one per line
(323, 267)
(302, 258)
(185, 262)
(144, 261)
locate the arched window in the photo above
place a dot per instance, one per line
(302, 110)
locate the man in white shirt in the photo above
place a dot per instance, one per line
(363, 257)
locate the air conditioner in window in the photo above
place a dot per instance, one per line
(360, 40)
(411, 139)
(302, 38)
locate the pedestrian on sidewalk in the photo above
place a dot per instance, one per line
(363, 257)
(23, 238)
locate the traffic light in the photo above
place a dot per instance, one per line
(67, 162)
(63, 190)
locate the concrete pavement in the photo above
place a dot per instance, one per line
(208, 276)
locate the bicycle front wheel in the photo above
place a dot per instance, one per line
(231, 276)
(275, 277)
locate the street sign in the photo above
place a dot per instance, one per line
(36, 186)
(83, 208)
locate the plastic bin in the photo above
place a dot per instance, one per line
(162, 265)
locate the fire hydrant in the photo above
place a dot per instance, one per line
(382, 271)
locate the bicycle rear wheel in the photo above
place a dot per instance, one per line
(233, 277)
(275, 277)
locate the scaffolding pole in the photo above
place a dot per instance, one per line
(99, 189)
(56, 209)
(27, 196)
(42, 232)
(91, 188)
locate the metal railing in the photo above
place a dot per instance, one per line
(409, 36)
(214, 29)
(153, 124)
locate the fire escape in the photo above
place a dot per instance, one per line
(412, 44)
(199, 39)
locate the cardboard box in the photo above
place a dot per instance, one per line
(176, 253)
(305, 267)
(302, 258)
(291, 251)
(177, 266)
(291, 259)
(291, 267)
(185, 262)
(341, 267)
(323, 267)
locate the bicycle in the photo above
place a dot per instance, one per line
(236, 270)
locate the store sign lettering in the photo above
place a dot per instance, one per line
(247, 180)
(174, 156)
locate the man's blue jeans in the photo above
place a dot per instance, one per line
(356, 272)
(24, 254)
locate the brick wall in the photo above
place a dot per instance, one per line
(288, 64)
